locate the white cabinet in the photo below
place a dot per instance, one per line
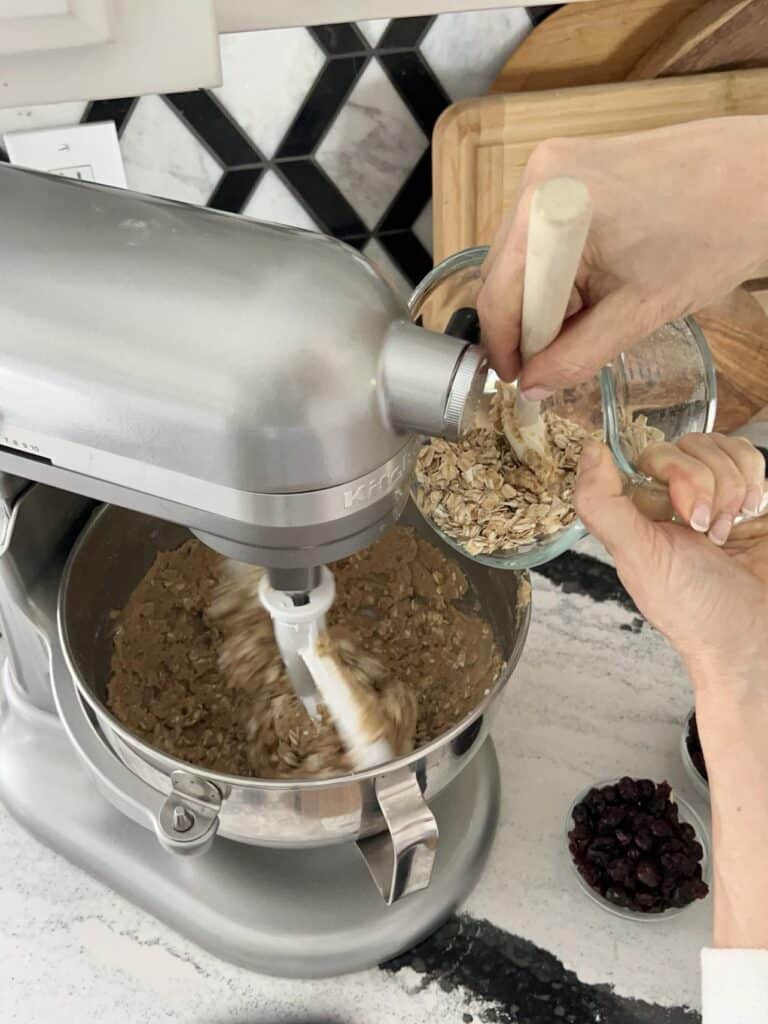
(241, 15)
(56, 50)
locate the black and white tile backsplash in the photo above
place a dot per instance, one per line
(324, 128)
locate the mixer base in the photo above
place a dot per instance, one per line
(289, 913)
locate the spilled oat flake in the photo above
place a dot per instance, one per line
(479, 493)
(196, 672)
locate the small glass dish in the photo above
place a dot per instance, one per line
(698, 782)
(668, 378)
(687, 814)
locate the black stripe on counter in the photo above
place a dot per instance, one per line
(502, 979)
(581, 574)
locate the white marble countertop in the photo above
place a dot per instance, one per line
(596, 695)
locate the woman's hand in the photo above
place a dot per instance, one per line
(708, 592)
(705, 586)
(680, 218)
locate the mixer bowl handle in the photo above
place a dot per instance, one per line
(401, 859)
(185, 822)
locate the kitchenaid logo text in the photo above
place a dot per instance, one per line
(377, 485)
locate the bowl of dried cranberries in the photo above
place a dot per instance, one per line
(637, 850)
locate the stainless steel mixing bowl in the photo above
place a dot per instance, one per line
(111, 556)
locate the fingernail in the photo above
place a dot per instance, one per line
(721, 530)
(763, 504)
(537, 394)
(701, 516)
(753, 501)
(590, 456)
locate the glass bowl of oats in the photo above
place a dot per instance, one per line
(477, 494)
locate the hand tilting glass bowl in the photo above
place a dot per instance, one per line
(668, 378)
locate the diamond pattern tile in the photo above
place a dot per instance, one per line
(422, 227)
(273, 201)
(373, 30)
(391, 273)
(453, 42)
(324, 127)
(372, 145)
(266, 76)
(163, 158)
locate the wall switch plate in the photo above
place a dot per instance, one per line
(89, 152)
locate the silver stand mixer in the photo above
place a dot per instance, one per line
(167, 370)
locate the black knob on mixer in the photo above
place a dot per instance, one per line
(464, 324)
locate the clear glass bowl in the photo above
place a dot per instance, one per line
(685, 814)
(697, 781)
(669, 378)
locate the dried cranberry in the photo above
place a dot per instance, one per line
(627, 789)
(614, 815)
(647, 900)
(674, 863)
(620, 869)
(644, 840)
(598, 857)
(690, 867)
(623, 838)
(617, 894)
(580, 814)
(590, 873)
(640, 819)
(695, 850)
(603, 843)
(671, 813)
(645, 789)
(657, 806)
(649, 874)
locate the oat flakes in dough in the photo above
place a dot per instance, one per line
(397, 601)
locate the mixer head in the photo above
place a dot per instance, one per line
(258, 384)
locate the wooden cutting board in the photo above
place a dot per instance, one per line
(590, 44)
(612, 40)
(718, 35)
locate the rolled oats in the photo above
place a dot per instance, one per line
(477, 491)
